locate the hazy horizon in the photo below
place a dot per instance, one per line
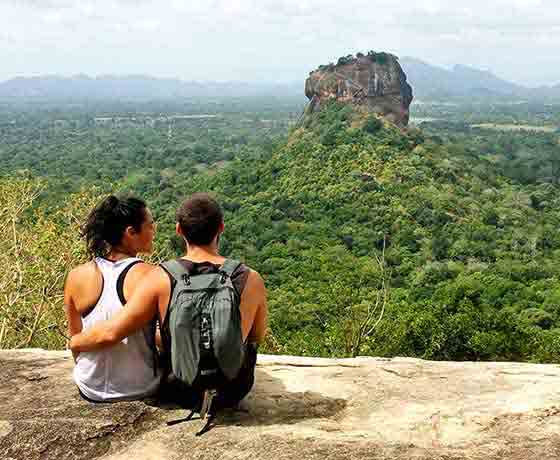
(273, 41)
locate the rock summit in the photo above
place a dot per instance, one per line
(374, 82)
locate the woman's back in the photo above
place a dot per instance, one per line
(115, 231)
(124, 371)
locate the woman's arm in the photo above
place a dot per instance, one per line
(73, 317)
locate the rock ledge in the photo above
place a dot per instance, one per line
(301, 408)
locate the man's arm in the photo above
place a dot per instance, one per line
(260, 326)
(253, 304)
(139, 310)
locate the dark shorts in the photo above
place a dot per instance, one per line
(173, 391)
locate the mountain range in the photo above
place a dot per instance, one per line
(428, 81)
(433, 82)
(134, 87)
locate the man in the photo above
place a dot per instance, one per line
(200, 223)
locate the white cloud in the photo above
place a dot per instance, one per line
(273, 39)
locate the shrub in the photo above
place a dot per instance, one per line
(372, 124)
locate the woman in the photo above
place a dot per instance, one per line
(116, 231)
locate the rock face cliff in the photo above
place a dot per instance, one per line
(375, 82)
(300, 408)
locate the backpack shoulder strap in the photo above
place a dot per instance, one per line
(229, 266)
(175, 269)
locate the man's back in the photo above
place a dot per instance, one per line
(251, 287)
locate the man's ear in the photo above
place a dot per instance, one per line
(178, 230)
(221, 228)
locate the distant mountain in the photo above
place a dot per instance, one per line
(135, 87)
(428, 82)
(432, 82)
(545, 92)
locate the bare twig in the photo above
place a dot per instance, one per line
(2, 332)
(35, 324)
(366, 327)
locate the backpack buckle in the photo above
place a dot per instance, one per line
(223, 278)
(187, 279)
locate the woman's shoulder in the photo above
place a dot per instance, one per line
(87, 269)
(82, 277)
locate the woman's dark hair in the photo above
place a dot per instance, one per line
(200, 217)
(106, 223)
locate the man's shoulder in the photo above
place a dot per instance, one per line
(253, 273)
(246, 271)
(254, 280)
(171, 268)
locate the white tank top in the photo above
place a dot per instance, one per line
(124, 370)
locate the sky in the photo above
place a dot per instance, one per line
(274, 40)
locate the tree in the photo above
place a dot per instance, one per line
(37, 251)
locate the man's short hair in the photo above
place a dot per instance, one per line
(200, 217)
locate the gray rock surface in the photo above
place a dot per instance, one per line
(373, 83)
(301, 408)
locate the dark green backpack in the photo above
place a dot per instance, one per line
(207, 349)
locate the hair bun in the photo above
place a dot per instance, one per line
(112, 202)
